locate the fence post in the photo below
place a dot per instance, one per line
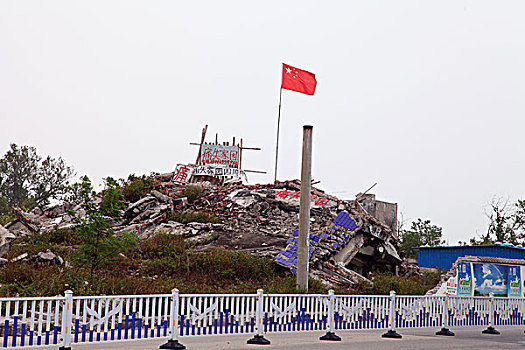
(67, 320)
(259, 338)
(173, 343)
(444, 329)
(330, 332)
(391, 333)
(490, 329)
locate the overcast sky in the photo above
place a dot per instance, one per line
(426, 98)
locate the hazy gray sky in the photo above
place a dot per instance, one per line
(424, 97)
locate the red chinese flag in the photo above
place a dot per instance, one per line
(299, 80)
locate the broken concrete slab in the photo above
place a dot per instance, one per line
(6, 237)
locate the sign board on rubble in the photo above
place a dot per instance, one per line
(227, 156)
(452, 286)
(293, 197)
(182, 173)
(218, 171)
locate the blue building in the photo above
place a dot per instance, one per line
(444, 257)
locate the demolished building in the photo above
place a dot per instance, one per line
(346, 242)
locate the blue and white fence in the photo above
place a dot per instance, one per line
(67, 320)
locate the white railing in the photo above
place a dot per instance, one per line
(27, 322)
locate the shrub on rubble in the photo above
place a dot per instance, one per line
(191, 216)
(191, 192)
(136, 187)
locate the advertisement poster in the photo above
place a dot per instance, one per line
(490, 278)
(522, 268)
(464, 279)
(514, 274)
(452, 287)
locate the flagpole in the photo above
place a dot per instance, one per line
(277, 143)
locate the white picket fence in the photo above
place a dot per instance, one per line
(72, 319)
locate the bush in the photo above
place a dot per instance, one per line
(136, 187)
(56, 240)
(191, 192)
(190, 216)
(385, 282)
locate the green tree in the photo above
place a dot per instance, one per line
(113, 201)
(100, 244)
(27, 180)
(421, 233)
(506, 223)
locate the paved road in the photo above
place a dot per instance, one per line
(466, 338)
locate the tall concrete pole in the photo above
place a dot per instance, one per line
(304, 210)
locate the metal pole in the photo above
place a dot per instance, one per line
(391, 333)
(173, 342)
(330, 332)
(490, 329)
(259, 338)
(444, 329)
(67, 320)
(277, 142)
(304, 210)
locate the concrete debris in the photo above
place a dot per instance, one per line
(47, 258)
(440, 288)
(347, 243)
(6, 238)
(20, 257)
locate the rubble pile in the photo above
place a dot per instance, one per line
(346, 242)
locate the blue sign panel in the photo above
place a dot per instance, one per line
(514, 290)
(490, 278)
(464, 279)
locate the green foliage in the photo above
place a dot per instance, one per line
(56, 240)
(113, 201)
(506, 223)
(136, 187)
(385, 282)
(421, 233)
(191, 192)
(168, 257)
(190, 216)
(27, 180)
(164, 261)
(99, 243)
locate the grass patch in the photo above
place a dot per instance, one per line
(191, 192)
(164, 261)
(385, 282)
(185, 217)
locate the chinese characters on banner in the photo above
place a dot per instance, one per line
(220, 155)
(296, 195)
(218, 171)
(452, 286)
(184, 172)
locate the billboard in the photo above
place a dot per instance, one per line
(490, 278)
(220, 155)
(514, 274)
(464, 279)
